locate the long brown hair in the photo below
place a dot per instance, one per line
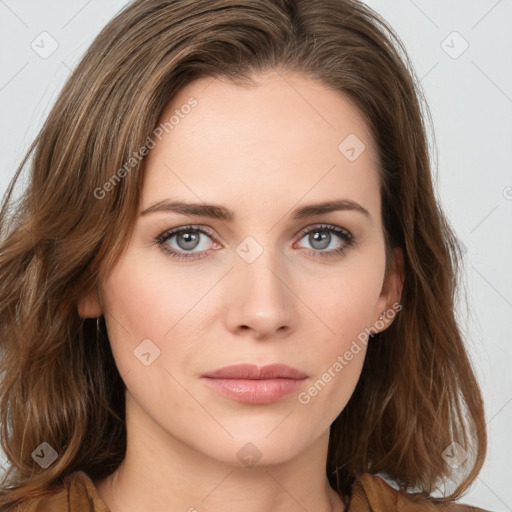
(59, 383)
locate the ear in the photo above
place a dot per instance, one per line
(388, 303)
(89, 306)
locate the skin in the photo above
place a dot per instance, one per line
(261, 151)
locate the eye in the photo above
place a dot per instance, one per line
(186, 239)
(324, 236)
(180, 243)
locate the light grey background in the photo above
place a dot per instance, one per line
(470, 97)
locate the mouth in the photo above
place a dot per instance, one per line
(255, 385)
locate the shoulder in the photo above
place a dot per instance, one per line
(77, 493)
(373, 494)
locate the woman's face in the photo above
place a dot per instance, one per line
(273, 282)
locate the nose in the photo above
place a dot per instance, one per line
(260, 300)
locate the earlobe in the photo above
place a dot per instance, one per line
(89, 306)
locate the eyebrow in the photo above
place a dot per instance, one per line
(225, 214)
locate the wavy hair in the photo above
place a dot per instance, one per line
(417, 392)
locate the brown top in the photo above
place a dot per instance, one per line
(370, 493)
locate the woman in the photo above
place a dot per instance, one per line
(229, 283)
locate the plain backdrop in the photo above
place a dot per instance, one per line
(462, 54)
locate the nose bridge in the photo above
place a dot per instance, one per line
(257, 265)
(260, 297)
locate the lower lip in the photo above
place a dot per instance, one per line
(255, 391)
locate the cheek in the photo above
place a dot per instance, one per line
(146, 299)
(155, 308)
(138, 307)
(346, 302)
(142, 306)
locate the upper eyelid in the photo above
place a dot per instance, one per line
(325, 226)
(191, 227)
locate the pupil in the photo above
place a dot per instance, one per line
(190, 240)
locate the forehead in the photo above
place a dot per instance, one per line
(285, 137)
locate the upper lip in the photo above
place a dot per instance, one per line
(253, 371)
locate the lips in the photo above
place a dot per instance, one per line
(255, 385)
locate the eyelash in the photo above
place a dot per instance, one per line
(344, 234)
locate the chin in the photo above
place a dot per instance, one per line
(251, 449)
